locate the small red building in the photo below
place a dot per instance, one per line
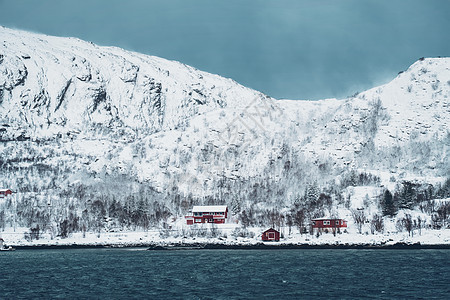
(216, 214)
(324, 224)
(271, 235)
(5, 192)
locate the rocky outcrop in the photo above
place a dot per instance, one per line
(74, 85)
(111, 111)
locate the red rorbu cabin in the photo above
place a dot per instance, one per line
(271, 235)
(324, 224)
(5, 192)
(216, 214)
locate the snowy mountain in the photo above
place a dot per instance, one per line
(59, 84)
(80, 122)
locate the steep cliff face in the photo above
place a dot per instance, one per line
(53, 85)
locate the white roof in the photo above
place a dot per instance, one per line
(5, 190)
(209, 208)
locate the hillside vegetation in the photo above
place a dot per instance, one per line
(96, 139)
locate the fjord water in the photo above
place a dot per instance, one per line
(225, 274)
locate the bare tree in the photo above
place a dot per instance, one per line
(443, 212)
(289, 222)
(245, 219)
(408, 224)
(377, 224)
(419, 224)
(360, 218)
(299, 220)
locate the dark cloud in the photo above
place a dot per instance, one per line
(285, 48)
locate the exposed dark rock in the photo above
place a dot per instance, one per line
(98, 97)
(62, 94)
(199, 102)
(81, 68)
(129, 72)
(13, 72)
(40, 100)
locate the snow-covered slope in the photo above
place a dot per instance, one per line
(52, 85)
(414, 107)
(59, 87)
(81, 122)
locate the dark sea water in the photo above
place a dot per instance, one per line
(225, 274)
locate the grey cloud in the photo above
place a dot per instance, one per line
(294, 49)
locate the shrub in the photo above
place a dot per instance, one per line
(377, 224)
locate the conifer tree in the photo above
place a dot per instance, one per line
(407, 195)
(388, 205)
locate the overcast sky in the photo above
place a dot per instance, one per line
(293, 49)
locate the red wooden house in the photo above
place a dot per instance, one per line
(216, 214)
(270, 235)
(5, 192)
(328, 224)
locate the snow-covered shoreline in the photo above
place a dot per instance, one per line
(106, 142)
(153, 239)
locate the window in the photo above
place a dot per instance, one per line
(198, 220)
(337, 222)
(326, 222)
(314, 222)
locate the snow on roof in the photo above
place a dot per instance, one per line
(209, 208)
(270, 229)
(322, 219)
(5, 190)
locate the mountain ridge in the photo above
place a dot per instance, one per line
(107, 79)
(80, 123)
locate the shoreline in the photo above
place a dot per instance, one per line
(153, 240)
(257, 246)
